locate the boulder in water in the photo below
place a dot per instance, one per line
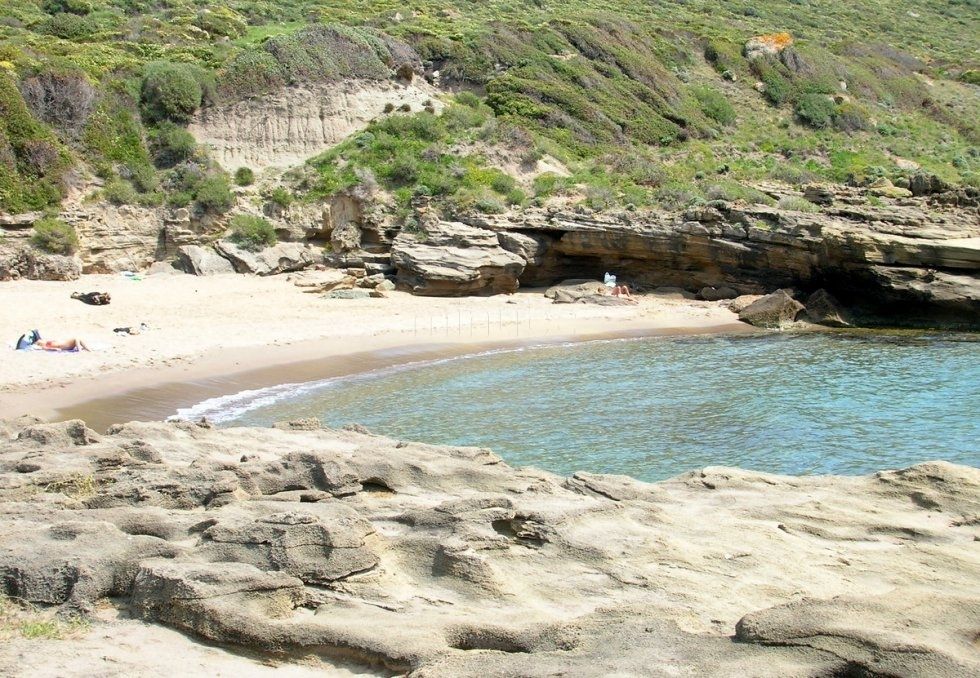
(771, 311)
(823, 309)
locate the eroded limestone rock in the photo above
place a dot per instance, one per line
(444, 561)
(453, 259)
(772, 311)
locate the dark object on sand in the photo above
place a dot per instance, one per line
(28, 339)
(131, 330)
(92, 298)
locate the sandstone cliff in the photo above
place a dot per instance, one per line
(284, 129)
(444, 561)
(909, 262)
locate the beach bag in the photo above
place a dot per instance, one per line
(27, 340)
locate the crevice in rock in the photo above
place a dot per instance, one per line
(486, 639)
(376, 486)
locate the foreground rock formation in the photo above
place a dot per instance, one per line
(339, 545)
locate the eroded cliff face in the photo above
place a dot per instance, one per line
(298, 541)
(907, 263)
(285, 129)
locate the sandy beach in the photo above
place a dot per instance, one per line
(208, 336)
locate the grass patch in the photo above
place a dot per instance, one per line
(20, 618)
(74, 486)
(252, 233)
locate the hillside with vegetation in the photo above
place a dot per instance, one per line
(646, 104)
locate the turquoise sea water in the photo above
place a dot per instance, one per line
(654, 408)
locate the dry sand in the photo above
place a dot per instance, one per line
(208, 336)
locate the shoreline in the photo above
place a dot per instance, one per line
(156, 394)
(221, 335)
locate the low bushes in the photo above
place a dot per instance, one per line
(54, 236)
(244, 176)
(815, 110)
(171, 145)
(714, 105)
(252, 233)
(174, 91)
(214, 194)
(793, 203)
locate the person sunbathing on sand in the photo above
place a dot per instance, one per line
(614, 289)
(62, 345)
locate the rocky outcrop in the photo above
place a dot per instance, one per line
(296, 541)
(202, 261)
(910, 262)
(772, 311)
(123, 238)
(823, 309)
(286, 128)
(280, 258)
(36, 265)
(453, 259)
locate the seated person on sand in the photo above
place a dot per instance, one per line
(614, 289)
(61, 345)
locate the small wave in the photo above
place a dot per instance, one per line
(227, 408)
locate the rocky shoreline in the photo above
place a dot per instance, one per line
(298, 541)
(903, 260)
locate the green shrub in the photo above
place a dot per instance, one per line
(731, 191)
(714, 105)
(80, 7)
(252, 233)
(516, 197)
(114, 133)
(69, 26)
(244, 176)
(221, 21)
(281, 196)
(468, 99)
(815, 110)
(778, 87)
(172, 145)
(794, 203)
(600, 197)
(143, 177)
(214, 194)
(55, 236)
(503, 183)
(32, 162)
(172, 91)
(251, 73)
(119, 192)
(490, 205)
(849, 117)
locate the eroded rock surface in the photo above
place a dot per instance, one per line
(287, 127)
(453, 259)
(444, 561)
(282, 257)
(912, 261)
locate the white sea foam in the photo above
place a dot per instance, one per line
(230, 407)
